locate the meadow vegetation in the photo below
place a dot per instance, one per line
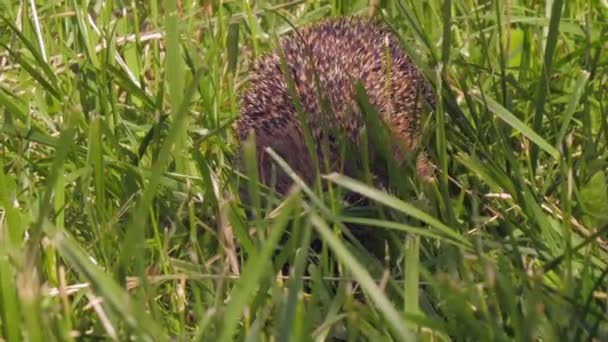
(120, 216)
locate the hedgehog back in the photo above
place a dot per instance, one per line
(324, 60)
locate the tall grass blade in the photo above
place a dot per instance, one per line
(543, 84)
(514, 122)
(256, 268)
(367, 283)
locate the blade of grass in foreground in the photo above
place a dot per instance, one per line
(134, 239)
(440, 130)
(61, 153)
(254, 271)
(397, 226)
(543, 84)
(175, 73)
(8, 296)
(514, 122)
(388, 200)
(581, 82)
(251, 166)
(295, 285)
(10, 240)
(363, 277)
(114, 296)
(46, 77)
(412, 275)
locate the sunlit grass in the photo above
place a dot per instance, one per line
(120, 214)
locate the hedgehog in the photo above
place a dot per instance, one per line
(321, 64)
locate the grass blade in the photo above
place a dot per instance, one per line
(386, 199)
(581, 83)
(367, 283)
(254, 271)
(514, 122)
(543, 84)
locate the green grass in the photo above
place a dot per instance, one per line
(119, 210)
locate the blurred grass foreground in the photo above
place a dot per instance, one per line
(120, 216)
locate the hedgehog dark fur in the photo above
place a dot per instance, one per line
(338, 52)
